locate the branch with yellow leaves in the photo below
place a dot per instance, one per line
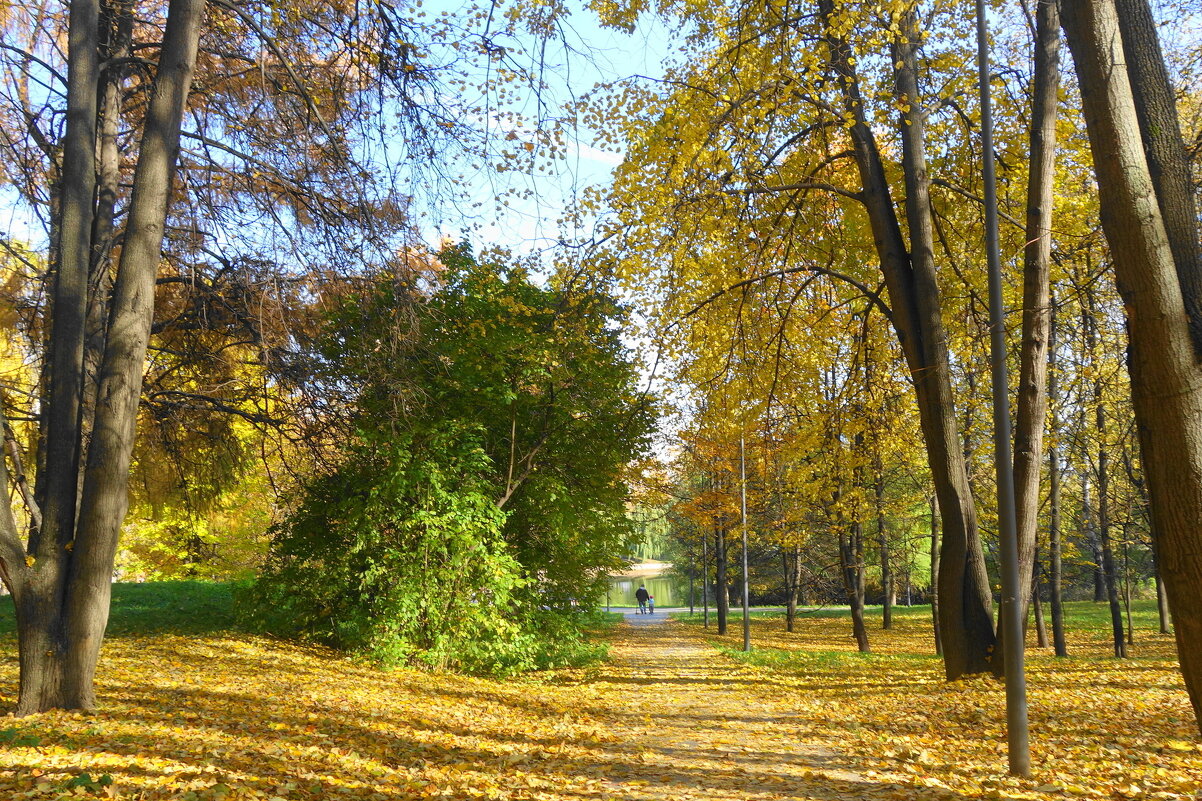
(870, 294)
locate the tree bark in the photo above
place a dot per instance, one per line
(1167, 159)
(1041, 630)
(1166, 381)
(76, 204)
(1127, 585)
(705, 580)
(721, 592)
(1162, 600)
(116, 30)
(692, 582)
(910, 280)
(1036, 322)
(935, 574)
(851, 559)
(1109, 575)
(883, 544)
(1054, 545)
(40, 582)
(792, 556)
(62, 591)
(1089, 529)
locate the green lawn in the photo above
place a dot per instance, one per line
(177, 607)
(1079, 615)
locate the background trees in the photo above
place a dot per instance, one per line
(220, 160)
(784, 154)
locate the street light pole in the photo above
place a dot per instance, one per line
(1011, 612)
(746, 587)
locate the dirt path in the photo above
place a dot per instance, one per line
(692, 724)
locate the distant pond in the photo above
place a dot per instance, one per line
(621, 591)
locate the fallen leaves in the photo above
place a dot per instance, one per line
(1100, 727)
(249, 719)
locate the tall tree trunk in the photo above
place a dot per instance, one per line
(851, 559)
(935, 574)
(1099, 569)
(883, 545)
(1127, 584)
(1041, 629)
(1090, 529)
(1036, 323)
(721, 591)
(41, 627)
(692, 581)
(62, 593)
(1109, 575)
(105, 492)
(792, 555)
(1167, 160)
(910, 280)
(1054, 546)
(1166, 381)
(116, 30)
(1162, 600)
(705, 580)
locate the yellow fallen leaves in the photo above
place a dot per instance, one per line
(247, 719)
(1100, 727)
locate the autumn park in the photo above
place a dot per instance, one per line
(530, 399)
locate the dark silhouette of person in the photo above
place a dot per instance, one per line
(641, 595)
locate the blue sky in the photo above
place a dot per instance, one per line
(517, 209)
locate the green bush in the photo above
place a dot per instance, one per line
(482, 499)
(397, 555)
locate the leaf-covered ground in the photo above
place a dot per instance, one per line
(1100, 727)
(209, 716)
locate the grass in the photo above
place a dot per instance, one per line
(228, 716)
(160, 607)
(206, 607)
(1079, 615)
(602, 622)
(824, 636)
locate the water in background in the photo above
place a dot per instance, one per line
(621, 592)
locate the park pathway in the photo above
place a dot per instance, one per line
(689, 723)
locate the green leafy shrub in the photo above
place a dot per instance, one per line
(398, 555)
(482, 498)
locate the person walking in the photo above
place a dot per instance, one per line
(641, 595)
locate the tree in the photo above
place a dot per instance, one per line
(764, 168)
(280, 174)
(1036, 300)
(60, 580)
(1151, 226)
(493, 423)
